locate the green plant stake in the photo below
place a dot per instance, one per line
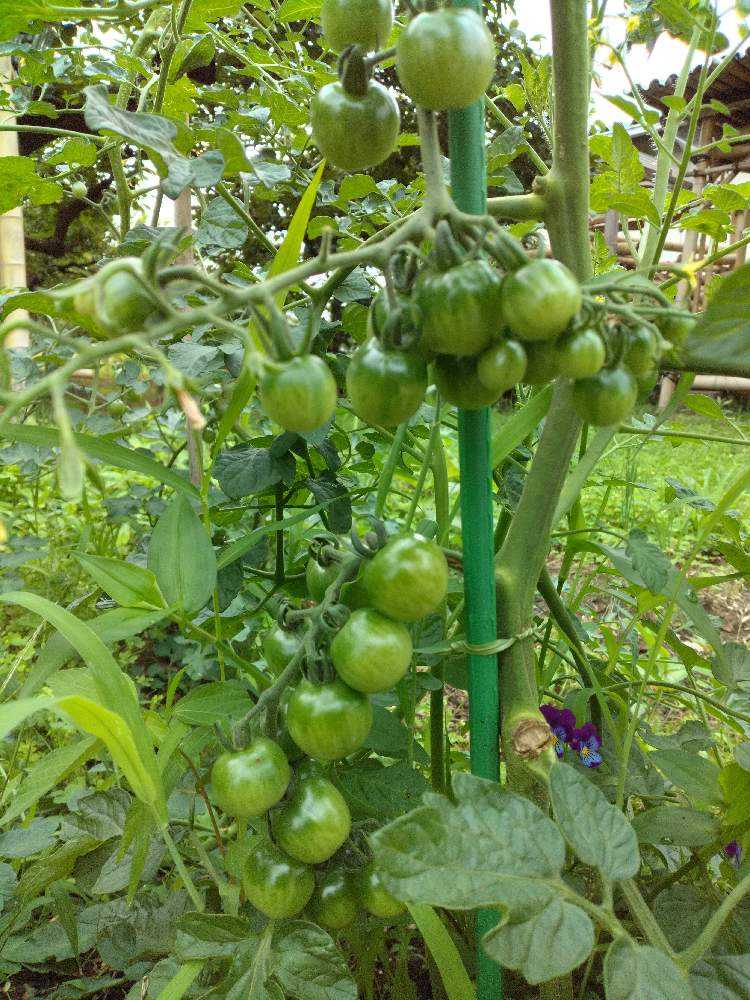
(469, 184)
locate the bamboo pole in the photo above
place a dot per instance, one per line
(12, 249)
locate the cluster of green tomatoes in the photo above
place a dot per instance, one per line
(301, 853)
(445, 58)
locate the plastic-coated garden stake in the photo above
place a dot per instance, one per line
(469, 187)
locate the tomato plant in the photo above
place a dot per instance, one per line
(407, 578)
(299, 394)
(274, 883)
(334, 489)
(248, 783)
(328, 721)
(314, 823)
(356, 22)
(445, 58)
(371, 653)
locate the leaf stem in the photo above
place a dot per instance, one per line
(182, 870)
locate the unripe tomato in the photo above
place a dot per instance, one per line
(356, 22)
(676, 329)
(275, 884)
(375, 898)
(385, 386)
(353, 132)
(457, 381)
(540, 299)
(407, 578)
(334, 903)
(640, 350)
(279, 646)
(79, 189)
(445, 58)
(371, 652)
(501, 366)
(460, 307)
(328, 721)
(541, 363)
(580, 354)
(248, 783)
(318, 578)
(607, 398)
(314, 823)
(124, 306)
(299, 394)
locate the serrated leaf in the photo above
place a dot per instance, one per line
(309, 966)
(648, 560)
(598, 832)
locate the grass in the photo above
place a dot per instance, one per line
(666, 485)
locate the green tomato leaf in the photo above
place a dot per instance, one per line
(492, 846)
(676, 826)
(308, 965)
(640, 972)
(544, 945)
(19, 182)
(697, 776)
(722, 977)
(720, 341)
(598, 832)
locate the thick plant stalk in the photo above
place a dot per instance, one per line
(526, 737)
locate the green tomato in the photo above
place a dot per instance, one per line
(607, 398)
(385, 387)
(248, 783)
(457, 381)
(445, 58)
(375, 898)
(353, 132)
(460, 308)
(79, 189)
(370, 652)
(299, 394)
(123, 304)
(540, 299)
(580, 354)
(335, 902)
(676, 329)
(501, 366)
(407, 578)
(318, 578)
(275, 884)
(541, 363)
(328, 721)
(356, 22)
(279, 646)
(314, 823)
(640, 350)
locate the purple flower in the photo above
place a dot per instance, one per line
(733, 853)
(586, 741)
(562, 722)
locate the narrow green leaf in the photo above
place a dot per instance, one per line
(13, 713)
(288, 253)
(452, 970)
(508, 434)
(130, 585)
(180, 983)
(46, 773)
